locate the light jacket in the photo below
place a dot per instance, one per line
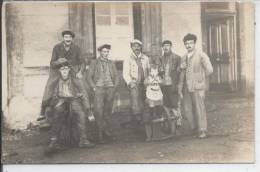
(130, 68)
(194, 71)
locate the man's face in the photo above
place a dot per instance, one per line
(104, 52)
(167, 48)
(154, 71)
(67, 38)
(136, 48)
(190, 45)
(64, 71)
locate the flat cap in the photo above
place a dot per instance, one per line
(107, 46)
(166, 42)
(62, 62)
(68, 32)
(136, 41)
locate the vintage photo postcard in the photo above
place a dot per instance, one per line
(128, 82)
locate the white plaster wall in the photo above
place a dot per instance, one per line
(178, 19)
(42, 24)
(42, 27)
(4, 67)
(247, 48)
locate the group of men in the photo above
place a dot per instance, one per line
(67, 103)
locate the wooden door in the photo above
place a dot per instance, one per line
(222, 52)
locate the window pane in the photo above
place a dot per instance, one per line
(103, 20)
(122, 20)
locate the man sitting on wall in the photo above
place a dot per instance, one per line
(69, 105)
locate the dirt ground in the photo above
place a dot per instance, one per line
(231, 139)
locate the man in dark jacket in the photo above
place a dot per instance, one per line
(103, 79)
(169, 69)
(65, 50)
(70, 104)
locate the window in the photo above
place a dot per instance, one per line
(114, 25)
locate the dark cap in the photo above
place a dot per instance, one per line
(190, 36)
(61, 63)
(68, 32)
(107, 46)
(166, 42)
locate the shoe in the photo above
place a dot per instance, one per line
(86, 144)
(202, 135)
(53, 147)
(148, 139)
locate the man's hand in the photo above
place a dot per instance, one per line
(62, 60)
(79, 75)
(132, 84)
(180, 95)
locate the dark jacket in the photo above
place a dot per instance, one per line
(78, 91)
(174, 61)
(94, 73)
(73, 55)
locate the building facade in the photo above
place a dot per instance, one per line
(30, 30)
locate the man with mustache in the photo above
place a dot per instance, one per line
(196, 67)
(63, 51)
(135, 70)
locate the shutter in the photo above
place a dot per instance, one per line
(81, 21)
(151, 28)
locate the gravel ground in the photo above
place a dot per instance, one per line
(231, 140)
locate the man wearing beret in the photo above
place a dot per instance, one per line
(195, 68)
(103, 79)
(70, 104)
(170, 70)
(135, 70)
(63, 51)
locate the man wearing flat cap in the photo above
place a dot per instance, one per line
(63, 51)
(103, 79)
(135, 70)
(170, 70)
(70, 105)
(195, 68)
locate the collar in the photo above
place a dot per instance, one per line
(190, 54)
(140, 56)
(103, 59)
(65, 81)
(65, 46)
(167, 54)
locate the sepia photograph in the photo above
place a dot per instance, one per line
(128, 82)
